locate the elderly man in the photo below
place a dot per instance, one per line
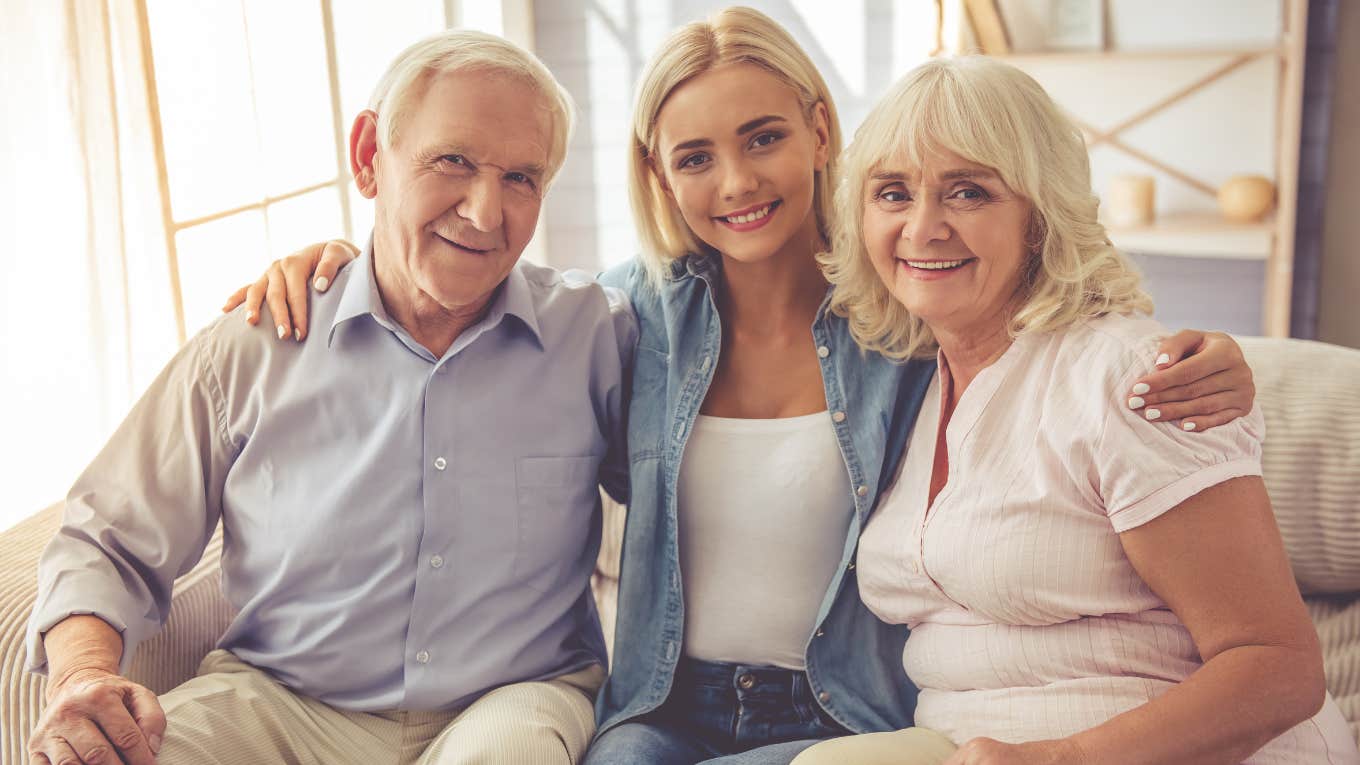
(409, 498)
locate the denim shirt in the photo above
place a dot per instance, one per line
(854, 661)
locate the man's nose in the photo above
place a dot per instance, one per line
(482, 205)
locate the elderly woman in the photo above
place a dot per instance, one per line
(1105, 593)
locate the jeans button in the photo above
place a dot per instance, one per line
(747, 681)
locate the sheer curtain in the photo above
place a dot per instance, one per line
(87, 317)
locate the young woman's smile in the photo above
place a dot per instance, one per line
(739, 155)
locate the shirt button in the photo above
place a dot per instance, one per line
(823, 697)
(823, 351)
(440, 463)
(436, 561)
(423, 657)
(708, 362)
(838, 417)
(863, 491)
(747, 681)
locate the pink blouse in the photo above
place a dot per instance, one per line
(1028, 621)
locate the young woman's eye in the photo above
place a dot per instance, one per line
(765, 139)
(692, 161)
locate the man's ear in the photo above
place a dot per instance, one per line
(363, 153)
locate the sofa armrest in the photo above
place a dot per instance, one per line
(198, 616)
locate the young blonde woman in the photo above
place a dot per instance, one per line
(1109, 593)
(759, 431)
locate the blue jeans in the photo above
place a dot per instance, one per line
(724, 714)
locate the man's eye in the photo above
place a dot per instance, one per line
(455, 159)
(519, 178)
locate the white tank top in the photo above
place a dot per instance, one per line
(764, 507)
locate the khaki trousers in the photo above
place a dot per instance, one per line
(235, 714)
(913, 746)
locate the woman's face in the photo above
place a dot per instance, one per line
(737, 155)
(948, 240)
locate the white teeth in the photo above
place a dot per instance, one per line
(757, 215)
(936, 265)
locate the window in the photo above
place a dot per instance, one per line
(254, 100)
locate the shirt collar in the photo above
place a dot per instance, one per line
(360, 297)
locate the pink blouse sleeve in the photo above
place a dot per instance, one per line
(1144, 469)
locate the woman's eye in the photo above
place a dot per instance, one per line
(765, 139)
(692, 161)
(970, 194)
(892, 195)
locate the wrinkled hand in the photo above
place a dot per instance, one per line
(1202, 380)
(96, 717)
(284, 286)
(986, 751)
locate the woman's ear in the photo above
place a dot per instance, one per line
(821, 129)
(660, 176)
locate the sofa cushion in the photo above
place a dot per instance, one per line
(1310, 394)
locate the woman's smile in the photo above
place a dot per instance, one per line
(750, 218)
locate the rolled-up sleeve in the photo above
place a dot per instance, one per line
(1143, 469)
(142, 513)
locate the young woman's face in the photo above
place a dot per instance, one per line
(739, 157)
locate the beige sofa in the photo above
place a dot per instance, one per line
(1310, 393)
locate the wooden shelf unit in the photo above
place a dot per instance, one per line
(1199, 236)
(1206, 235)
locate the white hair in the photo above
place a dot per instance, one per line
(995, 115)
(468, 50)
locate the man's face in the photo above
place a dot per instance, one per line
(459, 191)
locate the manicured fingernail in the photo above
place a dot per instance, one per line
(297, 335)
(1141, 388)
(250, 316)
(282, 332)
(1188, 425)
(1163, 360)
(1136, 403)
(321, 283)
(1152, 414)
(155, 743)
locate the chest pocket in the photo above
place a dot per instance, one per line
(556, 498)
(650, 409)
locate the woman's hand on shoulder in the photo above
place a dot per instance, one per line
(284, 286)
(1202, 380)
(986, 751)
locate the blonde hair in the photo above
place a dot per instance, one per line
(995, 115)
(732, 35)
(468, 50)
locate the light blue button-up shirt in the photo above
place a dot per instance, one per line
(401, 531)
